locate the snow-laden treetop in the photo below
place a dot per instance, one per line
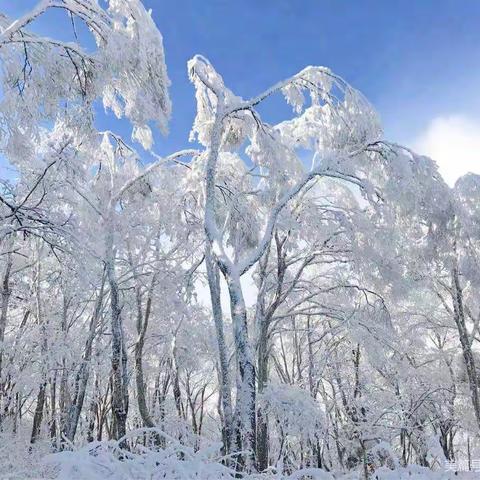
(42, 75)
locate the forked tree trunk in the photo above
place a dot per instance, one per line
(225, 383)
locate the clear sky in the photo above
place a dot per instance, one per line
(417, 61)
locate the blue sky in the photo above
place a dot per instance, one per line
(417, 61)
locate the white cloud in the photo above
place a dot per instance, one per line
(453, 141)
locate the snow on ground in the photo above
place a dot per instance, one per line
(108, 461)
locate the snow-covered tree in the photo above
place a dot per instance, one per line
(284, 300)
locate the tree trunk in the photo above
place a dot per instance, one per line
(263, 319)
(38, 415)
(246, 389)
(64, 396)
(142, 325)
(225, 383)
(5, 295)
(459, 317)
(53, 411)
(5, 299)
(262, 378)
(81, 378)
(119, 353)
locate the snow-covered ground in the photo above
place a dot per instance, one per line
(108, 461)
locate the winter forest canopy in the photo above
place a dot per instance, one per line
(288, 300)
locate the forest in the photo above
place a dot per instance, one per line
(293, 299)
